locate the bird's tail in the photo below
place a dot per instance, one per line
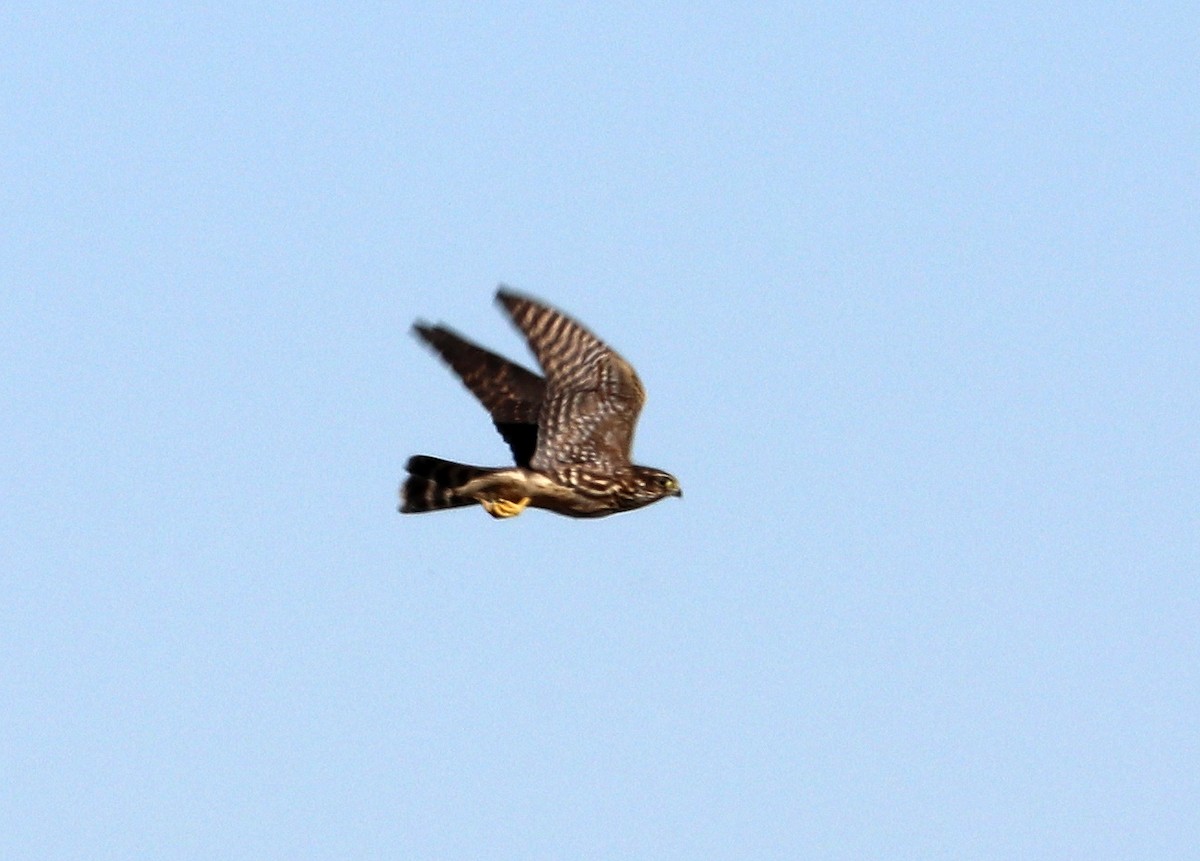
(433, 484)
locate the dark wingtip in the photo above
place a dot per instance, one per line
(505, 295)
(508, 296)
(422, 330)
(435, 336)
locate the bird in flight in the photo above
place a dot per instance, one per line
(570, 432)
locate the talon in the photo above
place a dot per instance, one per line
(504, 507)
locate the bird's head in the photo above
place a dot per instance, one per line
(651, 485)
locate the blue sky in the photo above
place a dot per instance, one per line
(913, 291)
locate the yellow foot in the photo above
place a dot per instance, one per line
(504, 507)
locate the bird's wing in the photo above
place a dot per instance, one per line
(593, 396)
(512, 394)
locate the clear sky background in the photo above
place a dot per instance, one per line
(915, 293)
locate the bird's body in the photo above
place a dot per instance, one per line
(570, 432)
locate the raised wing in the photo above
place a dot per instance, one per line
(592, 398)
(512, 394)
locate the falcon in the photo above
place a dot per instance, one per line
(570, 432)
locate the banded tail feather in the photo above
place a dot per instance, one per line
(433, 484)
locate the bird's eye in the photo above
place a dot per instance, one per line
(666, 482)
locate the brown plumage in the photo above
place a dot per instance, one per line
(570, 432)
